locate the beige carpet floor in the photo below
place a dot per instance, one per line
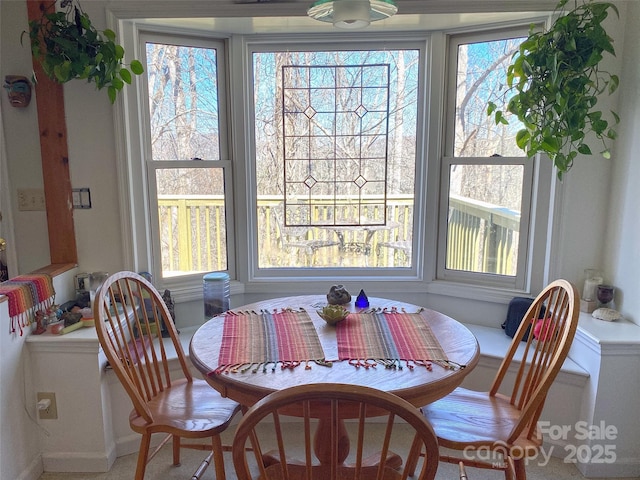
(160, 468)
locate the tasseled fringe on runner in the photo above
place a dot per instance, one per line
(266, 367)
(398, 364)
(27, 294)
(388, 310)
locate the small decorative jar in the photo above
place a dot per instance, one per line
(605, 295)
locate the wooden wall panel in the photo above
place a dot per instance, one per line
(55, 158)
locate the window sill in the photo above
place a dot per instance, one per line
(56, 269)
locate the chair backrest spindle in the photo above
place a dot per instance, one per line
(130, 318)
(543, 353)
(327, 407)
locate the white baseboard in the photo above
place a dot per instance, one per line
(621, 468)
(79, 462)
(33, 471)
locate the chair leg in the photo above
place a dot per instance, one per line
(142, 456)
(176, 450)
(412, 457)
(510, 472)
(519, 465)
(218, 458)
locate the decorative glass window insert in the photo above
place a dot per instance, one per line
(335, 127)
(336, 136)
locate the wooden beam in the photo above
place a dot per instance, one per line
(55, 157)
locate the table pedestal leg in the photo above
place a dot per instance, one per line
(322, 447)
(322, 442)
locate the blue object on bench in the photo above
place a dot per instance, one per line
(518, 306)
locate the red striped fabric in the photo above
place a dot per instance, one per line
(252, 341)
(388, 337)
(27, 293)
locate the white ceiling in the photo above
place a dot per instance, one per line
(399, 22)
(279, 16)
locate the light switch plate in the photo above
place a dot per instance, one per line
(81, 198)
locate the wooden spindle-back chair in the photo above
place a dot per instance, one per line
(506, 423)
(373, 455)
(130, 317)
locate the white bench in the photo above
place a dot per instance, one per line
(494, 344)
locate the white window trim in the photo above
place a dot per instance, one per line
(517, 282)
(414, 274)
(533, 168)
(151, 166)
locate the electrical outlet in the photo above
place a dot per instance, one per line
(50, 413)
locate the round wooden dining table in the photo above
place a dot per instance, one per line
(419, 385)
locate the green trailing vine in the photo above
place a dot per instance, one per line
(68, 47)
(556, 80)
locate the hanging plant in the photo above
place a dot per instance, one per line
(556, 80)
(68, 46)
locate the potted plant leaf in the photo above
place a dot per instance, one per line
(556, 78)
(68, 46)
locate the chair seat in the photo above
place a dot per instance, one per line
(467, 417)
(190, 409)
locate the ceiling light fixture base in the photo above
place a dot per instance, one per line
(352, 14)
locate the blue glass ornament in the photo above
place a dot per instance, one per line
(362, 301)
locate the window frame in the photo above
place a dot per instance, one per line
(516, 282)
(424, 277)
(144, 195)
(268, 43)
(531, 166)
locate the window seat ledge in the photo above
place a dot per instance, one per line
(494, 344)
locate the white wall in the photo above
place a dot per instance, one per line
(19, 429)
(92, 158)
(586, 189)
(622, 232)
(19, 445)
(22, 140)
(90, 130)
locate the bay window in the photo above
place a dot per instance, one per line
(281, 159)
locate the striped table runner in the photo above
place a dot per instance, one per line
(260, 341)
(389, 337)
